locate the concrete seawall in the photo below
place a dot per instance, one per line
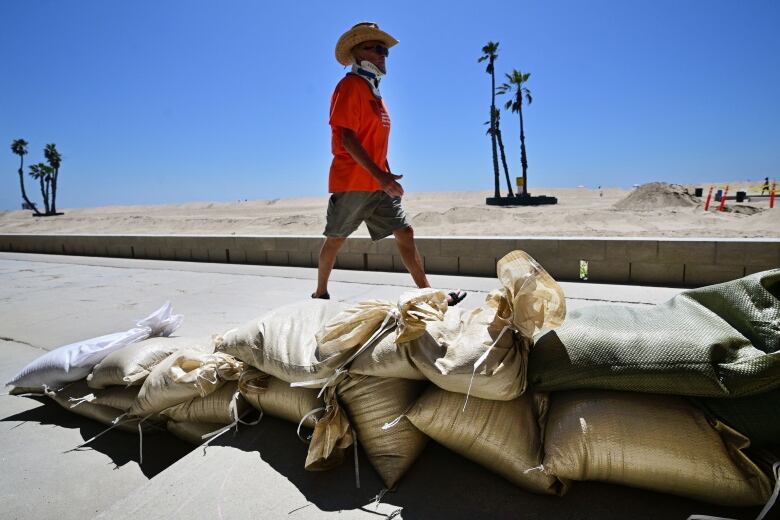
(653, 261)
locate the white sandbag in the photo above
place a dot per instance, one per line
(217, 407)
(503, 436)
(661, 443)
(76, 360)
(282, 342)
(130, 365)
(277, 398)
(182, 376)
(372, 402)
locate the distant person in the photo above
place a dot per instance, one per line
(362, 186)
(765, 187)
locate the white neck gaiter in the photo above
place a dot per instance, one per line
(371, 73)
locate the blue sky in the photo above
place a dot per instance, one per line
(171, 101)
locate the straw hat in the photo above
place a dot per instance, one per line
(361, 32)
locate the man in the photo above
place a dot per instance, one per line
(362, 186)
(765, 187)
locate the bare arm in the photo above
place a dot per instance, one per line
(387, 180)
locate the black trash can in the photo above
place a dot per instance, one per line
(741, 196)
(718, 195)
(698, 192)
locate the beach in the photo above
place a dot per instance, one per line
(647, 211)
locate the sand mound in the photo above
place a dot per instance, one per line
(655, 195)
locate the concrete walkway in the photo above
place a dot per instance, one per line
(48, 301)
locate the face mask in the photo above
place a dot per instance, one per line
(371, 73)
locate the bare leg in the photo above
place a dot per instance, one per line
(404, 238)
(330, 249)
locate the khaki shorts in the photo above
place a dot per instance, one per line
(381, 213)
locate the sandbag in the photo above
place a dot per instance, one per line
(530, 298)
(388, 358)
(119, 397)
(182, 376)
(353, 326)
(661, 443)
(131, 364)
(447, 352)
(372, 402)
(75, 361)
(282, 342)
(276, 398)
(715, 341)
(503, 436)
(331, 438)
(193, 432)
(71, 398)
(217, 407)
(755, 416)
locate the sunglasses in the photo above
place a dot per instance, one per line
(379, 49)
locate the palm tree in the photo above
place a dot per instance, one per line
(497, 119)
(54, 159)
(42, 173)
(490, 53)
(19, 147)
(516, 87)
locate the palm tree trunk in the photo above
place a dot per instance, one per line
(503, 160)
(493, 127)
(45, 198)
(523, 158)
(54, 191)
(24, 192)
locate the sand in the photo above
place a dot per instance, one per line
(652, 210)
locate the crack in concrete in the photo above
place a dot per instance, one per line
(13, 340)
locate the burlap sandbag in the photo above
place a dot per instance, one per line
(503, 436)
(214, 408)
(193, 432)
(372, 402)
(331, 438)
(97, 405)
(388, 358)
(353, 326)
(277, 398)
(530, 298)
(448, 351)
(131, 364)
(182, 376)
(282, 342)
(661, 443)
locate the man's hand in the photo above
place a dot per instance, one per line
(390, 185)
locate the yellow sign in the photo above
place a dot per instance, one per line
(519, 181)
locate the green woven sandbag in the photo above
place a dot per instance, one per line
(720, 340)
(755, 416)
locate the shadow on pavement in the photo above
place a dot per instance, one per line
(442, 484)
(160, 449)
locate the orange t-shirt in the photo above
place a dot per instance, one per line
(354, 106)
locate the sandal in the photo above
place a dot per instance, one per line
(324, 296)
(455, 297)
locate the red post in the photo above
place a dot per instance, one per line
(709, 196)
(772, 195)
(723, 199)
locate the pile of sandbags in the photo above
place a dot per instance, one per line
(668, 398)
